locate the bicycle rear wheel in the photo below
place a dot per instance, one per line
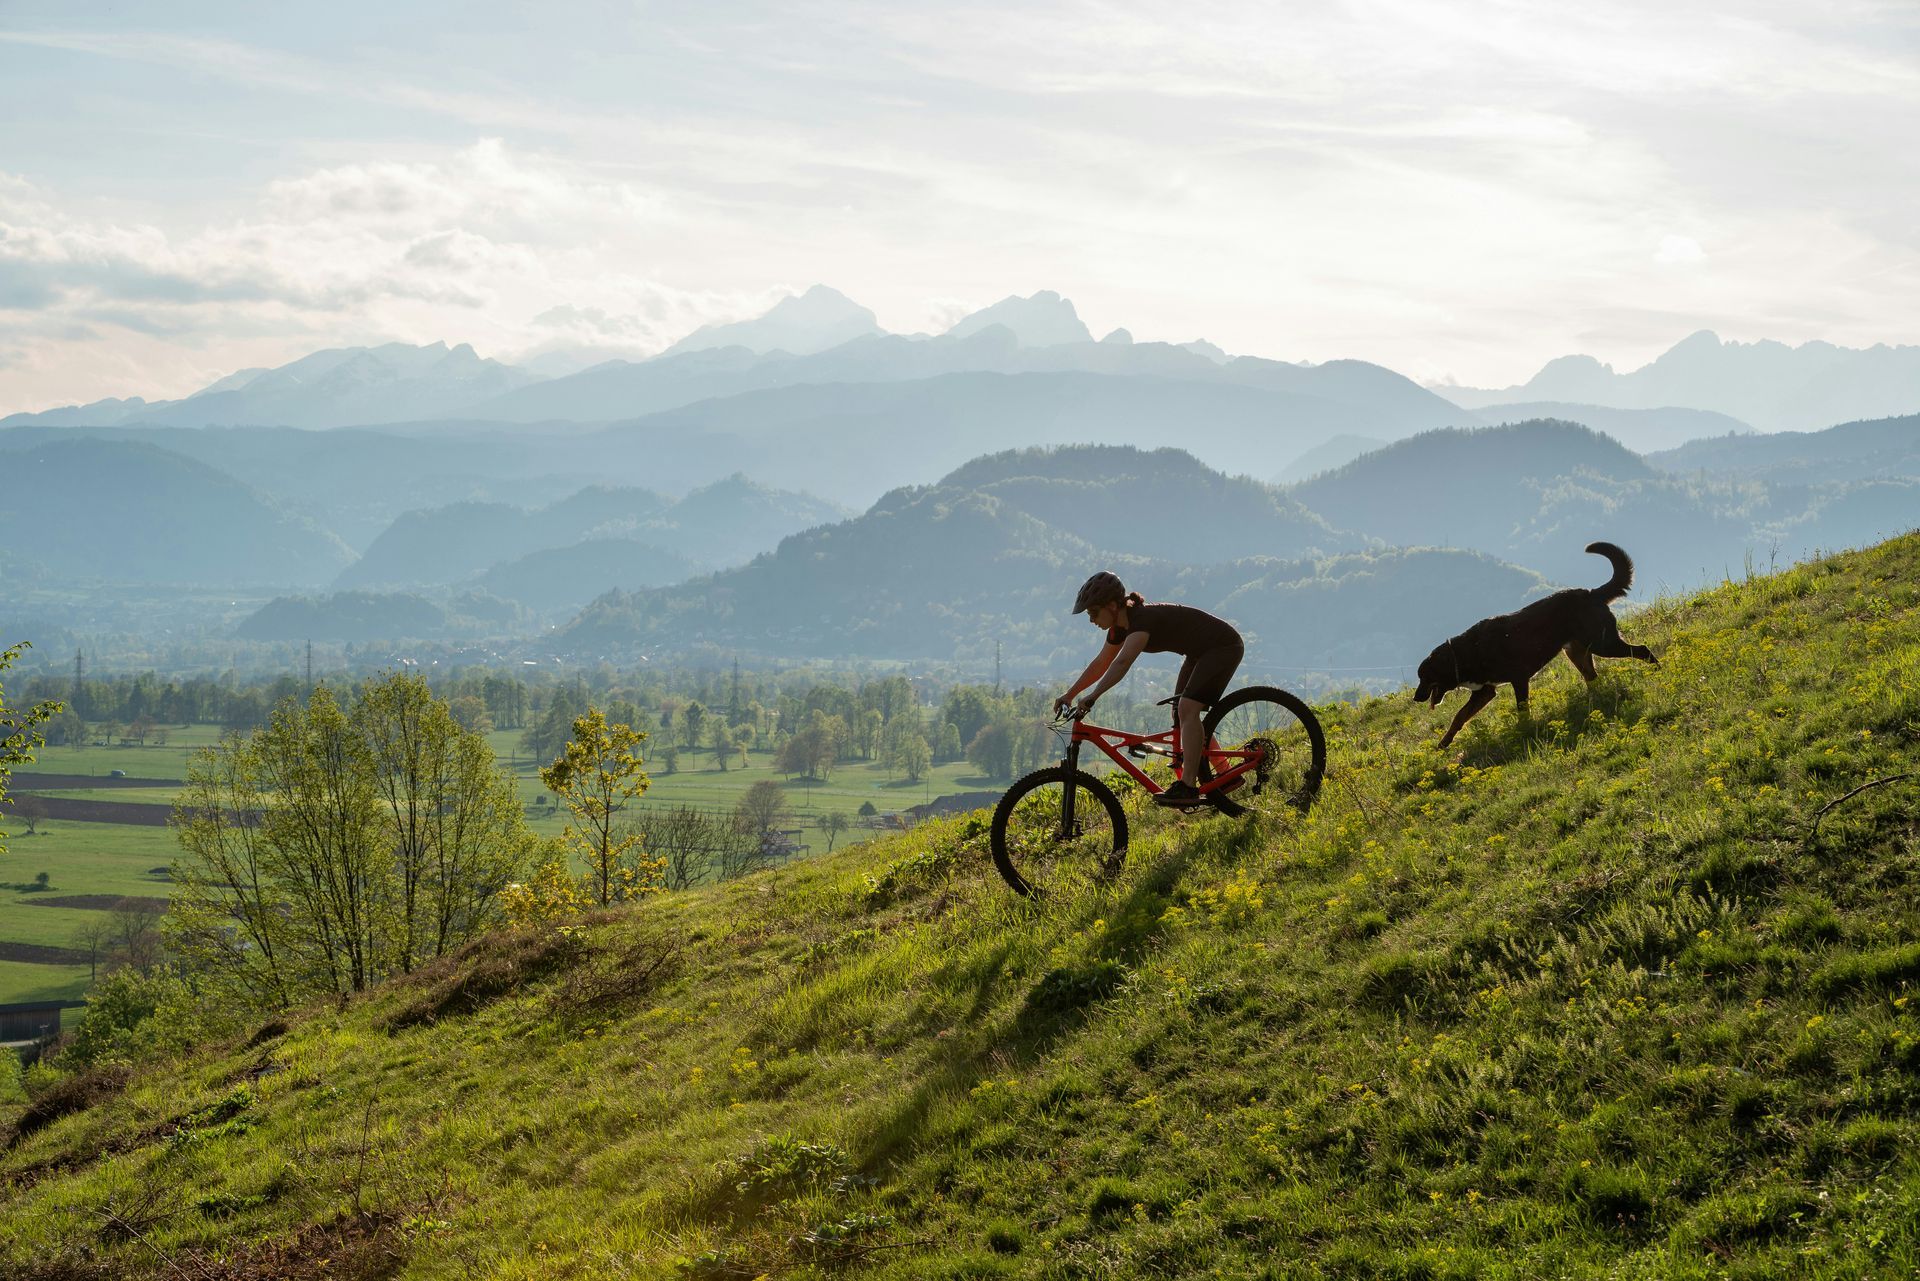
(1036, 848)
(1293, 760)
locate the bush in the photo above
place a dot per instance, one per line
(131, 1017)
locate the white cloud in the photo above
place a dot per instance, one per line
(468, 247)
(1463, 185)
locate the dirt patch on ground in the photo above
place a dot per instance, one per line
(354, 1247)
(41, 954)
(125, 812)
(71, 1094)
(478, 974)
(98, 902)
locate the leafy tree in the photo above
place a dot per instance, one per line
(471, 714)
(991, 751)
(968, 708)
(904, 748)
(693, 719)
(549, 734)
(950, 747)
(916, 758)
(763, 810)
(323, 826)
(94, 936)
(451, 818)
(232, 909)
(834, 822)
(30, 810)
(66, 729)
(722, 741)
(687, 842)
(134, 934)
(866, 732)
(813, 750)
(338, 846)
(596, 776)
(20, 735)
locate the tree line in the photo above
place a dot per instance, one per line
(360, 835)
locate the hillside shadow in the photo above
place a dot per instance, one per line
(1058, 1003)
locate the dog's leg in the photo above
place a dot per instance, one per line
(1609, 645)
(1582, 661)
(1475, 701)
(1522, 712)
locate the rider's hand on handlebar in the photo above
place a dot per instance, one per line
(1084, 705)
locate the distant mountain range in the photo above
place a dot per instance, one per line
(503, 546)
(90, 510)
(1702, 386)
(1770, 385)
(816, 320)
(333, 388)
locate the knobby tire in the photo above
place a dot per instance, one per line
(1293, 777)
(1026, 840)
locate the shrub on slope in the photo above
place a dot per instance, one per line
(1592, 997)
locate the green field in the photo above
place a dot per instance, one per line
(104, 858)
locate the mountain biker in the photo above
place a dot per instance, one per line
(1211, 646)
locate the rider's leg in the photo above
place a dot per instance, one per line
(1193, 743)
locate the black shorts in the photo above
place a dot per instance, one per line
(1204, 676)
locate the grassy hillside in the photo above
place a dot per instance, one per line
(1621, 991)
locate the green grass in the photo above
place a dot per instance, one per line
(148, 761)
(1582, 998)
(26, 983)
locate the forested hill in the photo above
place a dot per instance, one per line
(1624, 990)
(992, 555)
(153, 516)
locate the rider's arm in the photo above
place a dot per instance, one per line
(1126, 651)
(1099, 665)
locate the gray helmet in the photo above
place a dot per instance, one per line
(1098, 590)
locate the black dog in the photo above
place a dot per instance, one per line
(1510, 648)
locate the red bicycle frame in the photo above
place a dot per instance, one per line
(1227, 765)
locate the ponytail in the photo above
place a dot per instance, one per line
(1135, 600)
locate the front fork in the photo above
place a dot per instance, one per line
(1072, 765)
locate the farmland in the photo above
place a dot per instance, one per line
(118, 859)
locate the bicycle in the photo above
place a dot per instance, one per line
(1266, 753)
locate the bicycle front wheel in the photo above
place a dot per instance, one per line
(1057, 829)
(1292, 750)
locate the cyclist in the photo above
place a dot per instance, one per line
(1211, 647)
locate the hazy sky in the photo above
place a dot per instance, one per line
(1454, 190)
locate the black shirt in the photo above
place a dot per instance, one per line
(1179, 628)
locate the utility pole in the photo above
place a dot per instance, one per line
(309, 666)
(79, 683)
(996, 667)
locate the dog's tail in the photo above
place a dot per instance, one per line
(1622, 579)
